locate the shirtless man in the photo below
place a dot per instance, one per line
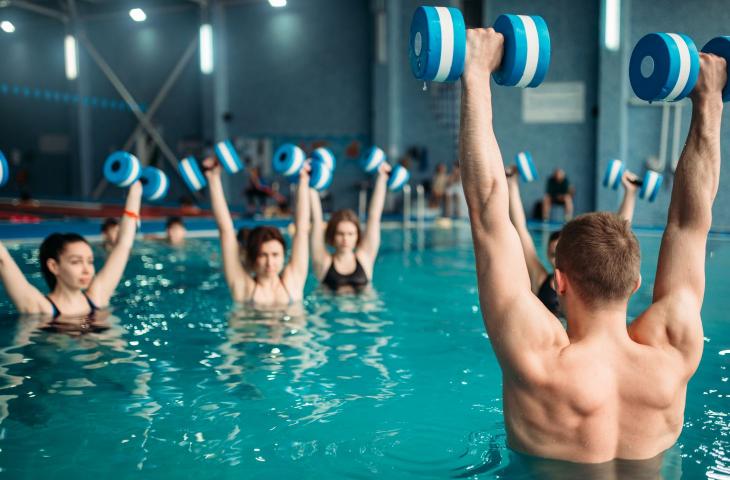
(600, 390)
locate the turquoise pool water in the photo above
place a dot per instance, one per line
(401, 383)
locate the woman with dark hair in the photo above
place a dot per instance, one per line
(350, 267)
(263, 279)
(67, 265)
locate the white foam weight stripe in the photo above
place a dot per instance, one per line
(684, 67)
(190, 174)
(533, 51)
(615, 172)
(296, 163)
(323, 179)
(2, 173)
(650, 185)
(134, 175)
(231, 165)
(447, 44)
(525, 167)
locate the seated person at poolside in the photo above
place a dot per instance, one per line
(600, 390)
(350, 267)
(541, 281)
(109, 234)
(67, 265)
(558, 192)
(175, 232)
(257, 192)
(264, 279)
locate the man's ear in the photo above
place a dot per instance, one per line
(560, 282)
(637, 286)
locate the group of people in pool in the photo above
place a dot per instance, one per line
(592, 390)
(254, 261)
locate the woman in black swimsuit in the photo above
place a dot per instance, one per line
(350, 267)
(67, 264)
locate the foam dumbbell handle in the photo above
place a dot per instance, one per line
(526, 56)
(720, 46)
(650, 185)
(228, 157)
(122, 169)
(4, 170)
(664, 66)
(526, 167)
(288, 160)
(399, 176)
(373, 158)
(614, 172)
(154, 183)
(191, 174)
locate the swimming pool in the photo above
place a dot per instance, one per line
(399, 383)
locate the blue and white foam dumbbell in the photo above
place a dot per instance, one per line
(289, 159)
(649, 184)
(122, 169)
(614, 173)
(371, 161)
(228, 157)
(398, 178)
(720, 46)
(437, 47)
(320, 178)
(4, 170)
(664, 67)
(526, 167)
(191, 174)
(154, 183)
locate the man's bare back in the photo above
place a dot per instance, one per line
(599, 390)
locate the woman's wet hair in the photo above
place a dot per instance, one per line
(255, 240)
(52, 248)
(339, 216)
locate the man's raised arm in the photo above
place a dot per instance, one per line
(516, 321)
(680, 278)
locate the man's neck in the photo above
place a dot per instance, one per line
(606, 320)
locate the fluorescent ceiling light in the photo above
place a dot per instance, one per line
(277, 3)
(7, 26)
(138, 15)
(612, 25)
(72, 63)
(206, 49)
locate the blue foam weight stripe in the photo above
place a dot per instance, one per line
(191, 174)
(650, 185)
(437, 44)
(721, 46)
(228, 156)
(399, 176)
(613, 174)
(288, 159)
(671, 66)
(370, 162)
(122, 169)
(526, 167)
(4, 170)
